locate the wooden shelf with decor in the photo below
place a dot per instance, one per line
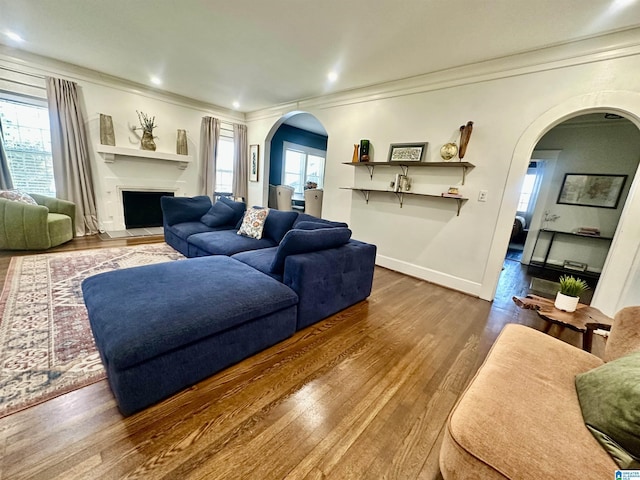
(465, 166)
(366, 192)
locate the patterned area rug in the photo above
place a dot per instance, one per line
(46, 345)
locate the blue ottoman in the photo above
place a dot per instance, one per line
(161, 328)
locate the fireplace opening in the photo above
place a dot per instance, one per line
(142, 209)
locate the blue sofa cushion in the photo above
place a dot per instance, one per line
(278, 223)
(186, 229)
(239, 209)
(184, 209)
(218, 215)
(261, 260)
(312, 225)
(305, 217)
(224, 242)
(180, 302)
(305, 241)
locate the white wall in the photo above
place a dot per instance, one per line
(23, 73)
(425, 238)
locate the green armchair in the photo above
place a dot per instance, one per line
(36, 227)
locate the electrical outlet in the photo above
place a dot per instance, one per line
(482, 196)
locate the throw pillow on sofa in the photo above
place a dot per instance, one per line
(305, 241)
(609, 397)
(219, 214)
(18, 196)
(238, 207)
(253, 222)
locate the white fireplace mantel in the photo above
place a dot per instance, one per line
(110, 153)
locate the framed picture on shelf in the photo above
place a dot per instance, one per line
(254, 159)
(407, 152)
(589, 190)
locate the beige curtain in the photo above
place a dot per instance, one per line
(6, 183)
(240, 161)
(209, 135)
(71, 166)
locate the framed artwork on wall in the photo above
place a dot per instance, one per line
(254, 159)
(592, 190)
(407, 152)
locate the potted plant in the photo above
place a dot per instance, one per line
(569, 295)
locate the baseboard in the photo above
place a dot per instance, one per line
(433, 276)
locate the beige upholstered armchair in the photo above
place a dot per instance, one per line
(36, 227)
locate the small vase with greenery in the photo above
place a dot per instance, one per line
(569, 295)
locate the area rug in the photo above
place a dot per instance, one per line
(46, 345)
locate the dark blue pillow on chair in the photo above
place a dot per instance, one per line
(219, 214)
(305, 241)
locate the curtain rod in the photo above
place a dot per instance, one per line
(42, 77)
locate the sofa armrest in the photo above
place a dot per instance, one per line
(184, 209)
(625, 334)
(23, 226)
(57, 205)
(328, 281)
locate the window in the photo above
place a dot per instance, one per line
(301, 165)
(27, 141)
(224, 162)
(526, 192)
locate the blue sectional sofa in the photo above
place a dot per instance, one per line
(161, 328)
(314, 257)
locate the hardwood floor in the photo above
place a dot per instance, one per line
(363, 394)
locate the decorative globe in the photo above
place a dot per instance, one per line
(448, 151)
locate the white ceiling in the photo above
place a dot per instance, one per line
(264, 53)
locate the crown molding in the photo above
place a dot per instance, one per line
(590, 50)
(22, 62)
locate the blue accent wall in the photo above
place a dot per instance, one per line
(287, 133)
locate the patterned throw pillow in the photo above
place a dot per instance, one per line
(18, 196)
(253, 222)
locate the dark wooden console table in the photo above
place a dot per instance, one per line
(585, 319)
(553, 235)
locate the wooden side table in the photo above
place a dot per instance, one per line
(585, 319)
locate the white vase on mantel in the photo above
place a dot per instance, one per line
(566, 303)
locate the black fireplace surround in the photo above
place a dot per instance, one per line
(142, 209)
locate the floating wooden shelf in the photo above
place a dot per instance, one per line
(366, 192)
(406, 165)
(110, 153)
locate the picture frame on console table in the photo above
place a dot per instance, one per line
(407, 152)
(592, 190)
(254, 162)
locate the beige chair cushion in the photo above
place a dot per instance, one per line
(625, 334)
(520, 416)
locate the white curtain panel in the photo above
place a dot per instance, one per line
(240, 161)
(6, 183)
(209, 135)
(71, 166)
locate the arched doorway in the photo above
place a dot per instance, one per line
(300, 137)
(571, 201)
(619, 267)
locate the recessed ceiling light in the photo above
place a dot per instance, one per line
(236, 104)
(156, 81)
(15, 37)
(333, 76)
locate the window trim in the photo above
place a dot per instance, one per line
(296, 147)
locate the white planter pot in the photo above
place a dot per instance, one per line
(566, 303)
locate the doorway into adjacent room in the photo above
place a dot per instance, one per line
(547, 239)
(296, 154)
